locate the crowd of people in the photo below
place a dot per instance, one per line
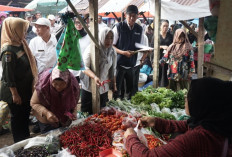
(32, 82)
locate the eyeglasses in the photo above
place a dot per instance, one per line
(77, 23)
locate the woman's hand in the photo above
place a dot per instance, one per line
(51, 117)
(147, 122)
(164, 47)
(115, 88)
(97, 81)
(17, 99)
(129, 131)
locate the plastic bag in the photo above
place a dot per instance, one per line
(166, 110)
(129, 122)
(4, 111)
(135, 113)
(118, 142)
(36, 141)
(155, 107)
(140, 135)
(65, 153)
(108, 110)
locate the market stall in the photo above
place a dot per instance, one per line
(99, 134)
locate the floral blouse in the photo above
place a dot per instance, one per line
(179, 69)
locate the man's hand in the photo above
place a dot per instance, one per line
(127, 54)
(17, 99)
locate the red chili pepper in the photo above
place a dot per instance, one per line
(87, 139)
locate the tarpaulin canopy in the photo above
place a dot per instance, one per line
(82, 6)
(170, 9)
(9, 8)
(48, 6)
(183, 9)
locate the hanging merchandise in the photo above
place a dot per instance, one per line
(210, 24)
(68, 48)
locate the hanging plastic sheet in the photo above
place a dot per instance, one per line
(68, 48)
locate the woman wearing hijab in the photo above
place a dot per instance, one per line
(207, 133)
(19, 70)
(107, 67)
(84, 42)
(181, 62)
(2, 17)
(55, 99)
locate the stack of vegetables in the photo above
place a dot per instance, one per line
(158, 102)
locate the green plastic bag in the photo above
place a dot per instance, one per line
(69, 53)
(208, 48)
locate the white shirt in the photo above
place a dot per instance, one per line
(104, 67)
(84, 43)
(54, 29)
(101, 25)
(143, 41)
(45, 53)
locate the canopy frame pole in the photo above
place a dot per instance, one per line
(189, 28)
(82, 22)
(115, 16)
(144, 17)
(200, 57)
(156, 43)
(93, 14)
(123, 16)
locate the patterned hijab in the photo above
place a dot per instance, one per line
(13, 33)
(210, 105)
(63, 103)
(179, 49)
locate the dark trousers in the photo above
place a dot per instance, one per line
(86, 101)
(136, 71)
(20, 121)
(124, 75)
(184, 84)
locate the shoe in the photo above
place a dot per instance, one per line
(36, 128)
(4, 131)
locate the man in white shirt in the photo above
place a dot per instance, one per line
(54, 26)
(43, 47)
(101, 24)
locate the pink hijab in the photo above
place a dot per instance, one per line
(62, 104)
(2, 14)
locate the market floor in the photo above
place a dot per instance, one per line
(7, 139)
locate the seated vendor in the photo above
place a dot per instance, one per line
(55, 99)
(207, 133)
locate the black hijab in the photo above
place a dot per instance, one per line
(82, 32)
(210, 105)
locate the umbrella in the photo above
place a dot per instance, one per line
(9, 8)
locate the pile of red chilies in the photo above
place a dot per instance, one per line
(86, 140)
